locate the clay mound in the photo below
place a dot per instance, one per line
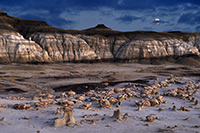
(2, 13)
(100, 27)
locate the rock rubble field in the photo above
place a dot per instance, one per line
(139, 98)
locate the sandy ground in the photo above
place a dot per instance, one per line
(25, 80)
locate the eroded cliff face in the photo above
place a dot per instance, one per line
(34, 41)
(14, 48)
(65, 47)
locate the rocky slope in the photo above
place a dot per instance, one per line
(35, 41)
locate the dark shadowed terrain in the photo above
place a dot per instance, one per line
(28, 79)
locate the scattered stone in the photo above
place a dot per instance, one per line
(117, 115)
(3, 105)
(160, 98)
(184, 108)
(104, 103)
(90, 93)
(26, 117)
(127, 90)
(40, 104)
(131, 94)
(18, 98)
(118, 104)
(3, 119)
(58, 111)
(106, 83)
(71, 93)
(63, 95)
(122, 97)
(103, 118)
(197, 126)
(187, 119)
(86, 106)
(93, 122)
(196, 91)
(125, 117)
(67, 118)
(90, 116)
(108, 126)
(22, 106)
(160, 109)
(95, 110)
(154, 102)
(196, 102)
(139, 105)
(175, 126)
(146, 103)
(157, 118)
(35, 98)
(119, 90)
(75, 101)
(50, 96)
(174, 108)
(67, 103)
(150, 118)
(139, 108)
(81, 98)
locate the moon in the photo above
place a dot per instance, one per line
(157, 19)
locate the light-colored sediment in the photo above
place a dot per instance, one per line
(94, 109)
(25, 41)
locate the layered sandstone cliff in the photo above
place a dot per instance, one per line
(35, 41)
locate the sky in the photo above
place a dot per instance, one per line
(121, 15)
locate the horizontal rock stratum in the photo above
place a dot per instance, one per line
(29, 41)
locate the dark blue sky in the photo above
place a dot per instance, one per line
(123, 15)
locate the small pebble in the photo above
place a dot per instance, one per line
(108, 126)
(165, 102)
(26, 117)
(196, 102)
(93, 122)
(150, 118)
(103, 118)
(3, 119)
(175, 126)
(174, 108)
(187, 119)
(126, 116)
(160, 109)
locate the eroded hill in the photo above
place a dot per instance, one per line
(32, 41)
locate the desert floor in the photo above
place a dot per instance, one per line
(19, 83)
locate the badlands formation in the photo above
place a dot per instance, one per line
(53, 80)
(28, 41)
